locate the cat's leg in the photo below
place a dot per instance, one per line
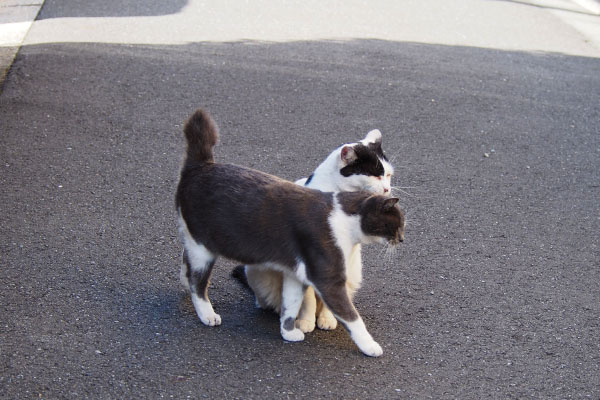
(292, 294)
(198, 263)
(336, 298)
(306, 317)
(253, 276)
(325, 318)
(266, 285)
(184, 273)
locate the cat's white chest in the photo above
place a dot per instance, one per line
(354, 268)
(346, 232)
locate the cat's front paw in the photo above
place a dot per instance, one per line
(295, 335)
(205, 311)
(305, 325)
(211, 320)
(372, 349)
(327, 322)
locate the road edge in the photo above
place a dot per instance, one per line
(16, 18)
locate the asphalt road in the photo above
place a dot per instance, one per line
(495, 292)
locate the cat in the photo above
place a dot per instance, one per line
(350, 167)
(256, 218)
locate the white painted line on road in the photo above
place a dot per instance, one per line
(12, 34)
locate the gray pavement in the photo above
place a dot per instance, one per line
(493, 127)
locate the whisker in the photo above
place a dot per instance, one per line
(388, 252)
(382, 251)
(402, 191)
(392, 161)
(385, 253)
(391, 252)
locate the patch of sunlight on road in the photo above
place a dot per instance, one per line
(558, 26)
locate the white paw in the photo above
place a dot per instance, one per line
(295, 335)
(205, 311)
(327, 322)
(211, 320)
(305, 325)
(372, 349)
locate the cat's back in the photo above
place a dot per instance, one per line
(223, 204)
(229, 182)
(218, 175)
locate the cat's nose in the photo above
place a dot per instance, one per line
(385, 190)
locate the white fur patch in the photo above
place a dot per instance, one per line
(345, 228)
(292, 295)
(386, 181)
(198, 258)
(198, 255)
(205, 311)
(372, 137)
(301, 272)
(363, 339)
(354, 270)
(326, 177)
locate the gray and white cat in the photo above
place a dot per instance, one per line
(256, 218)
(350, 167)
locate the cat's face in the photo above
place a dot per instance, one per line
(363, 166)
(382, 219)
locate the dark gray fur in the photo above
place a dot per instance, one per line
(288, 324)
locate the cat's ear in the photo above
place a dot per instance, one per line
(373, 136)
(348, 155)
(390, 203)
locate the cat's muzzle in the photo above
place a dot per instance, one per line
(398, 239)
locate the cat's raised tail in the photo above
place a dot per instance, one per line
(201, 134)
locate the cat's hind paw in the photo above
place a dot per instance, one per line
(305, 325)
(327, 322)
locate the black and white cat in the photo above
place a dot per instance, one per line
(256, 218)
(350, 167)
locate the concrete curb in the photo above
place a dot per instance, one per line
(16, 18)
